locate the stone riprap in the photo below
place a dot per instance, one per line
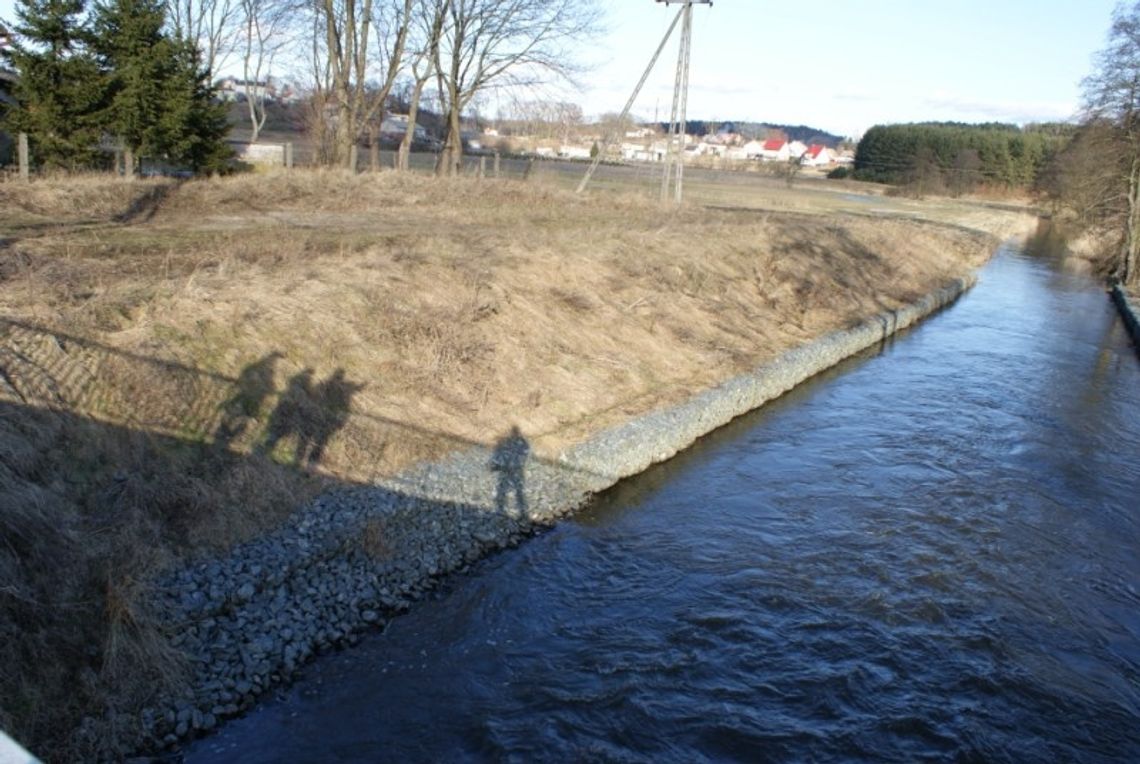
(353, 558)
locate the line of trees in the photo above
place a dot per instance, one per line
(148, 62)
(1095, 180)
(955, 158)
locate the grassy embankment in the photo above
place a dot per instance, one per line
(182, 366)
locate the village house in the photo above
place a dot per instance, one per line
(796, 149)
(753, 149)
(817, 155)
(637, 152)
(574, 152)
(775, 150)
(394, 126)
(234, 89)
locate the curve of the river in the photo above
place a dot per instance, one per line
(931, 552)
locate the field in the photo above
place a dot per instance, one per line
(182, 365)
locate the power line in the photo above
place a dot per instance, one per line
(680, 99)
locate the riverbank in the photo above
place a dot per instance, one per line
(426, 358)
(1126, 304)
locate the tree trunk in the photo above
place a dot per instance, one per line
(345, 135)
(453, 149)
(403, 158)
(1127, 270)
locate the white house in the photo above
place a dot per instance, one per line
(775, 150)
(796, 149)
(234, 89)
(753, 149)
(637, 152)
(817, 156)
(574, 152)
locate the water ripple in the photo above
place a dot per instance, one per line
(932, 556)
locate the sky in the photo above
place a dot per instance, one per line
(845, 65)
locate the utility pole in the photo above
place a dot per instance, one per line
(674, 173)
(680, 101)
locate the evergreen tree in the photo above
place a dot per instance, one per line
(159, 98)
(58, 94)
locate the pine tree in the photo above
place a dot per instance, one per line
(59, 88)
(159, 99)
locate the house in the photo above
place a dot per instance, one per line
(796, 149)
(637, 152)
(574, 152)
(394, 126)
(775, 150)
(704, 149)
(234, 89)
(817, 155)
(753, 149)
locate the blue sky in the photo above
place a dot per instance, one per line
(844, 65)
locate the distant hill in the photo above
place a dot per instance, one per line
(804, 133)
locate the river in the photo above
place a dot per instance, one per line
(931, 552)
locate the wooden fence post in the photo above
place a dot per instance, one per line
(128, 163)
(496, 164)
(289, 155)
(482, 167)
(373, 151)
(22, 153)
(353, 158)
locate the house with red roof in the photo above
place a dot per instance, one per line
(817, 155)
(775, 150)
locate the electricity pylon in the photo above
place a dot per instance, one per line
(675, 145)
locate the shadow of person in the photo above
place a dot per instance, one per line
(291, 416)
(334, 397)
(241, 410)
(509, 460)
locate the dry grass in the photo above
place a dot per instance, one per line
(176, 385)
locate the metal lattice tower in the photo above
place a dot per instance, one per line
(673, 176)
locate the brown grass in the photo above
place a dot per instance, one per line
(147, 367)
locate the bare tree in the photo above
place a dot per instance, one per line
(429, 28)
(1112, 97)
(210, 23)
(351, 77)
(502, 43)
(266, 25)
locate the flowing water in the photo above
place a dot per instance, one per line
(931, 552)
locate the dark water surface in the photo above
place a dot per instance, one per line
(929, 553)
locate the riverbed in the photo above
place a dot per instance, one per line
(931, 551)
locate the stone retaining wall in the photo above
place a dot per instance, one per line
(352, 559)
(1128, 313)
